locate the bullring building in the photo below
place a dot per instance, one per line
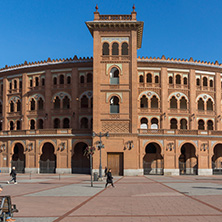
(163, 115)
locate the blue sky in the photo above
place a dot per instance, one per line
(34, 30)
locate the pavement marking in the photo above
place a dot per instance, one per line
(209, 205)
(83, 203)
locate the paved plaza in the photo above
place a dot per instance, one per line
(146, 198)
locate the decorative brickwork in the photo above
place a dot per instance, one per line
(115, 126)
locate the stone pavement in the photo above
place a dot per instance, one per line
(46, 198)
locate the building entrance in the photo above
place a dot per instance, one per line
(80, 163)
(18, 158)
(153, 160)
(217, 159)
(188, 163)
(115, 163)
(48, 159)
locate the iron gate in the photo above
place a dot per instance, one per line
(187, 170)
(217, 168)
(19, 165)
(47, 166)
(153, 168)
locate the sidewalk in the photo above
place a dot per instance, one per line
(148, 198)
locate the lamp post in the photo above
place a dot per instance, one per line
(100, 135)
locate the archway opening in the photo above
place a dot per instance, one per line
(153, 160)
(80, 163)
(18, 158)
(48, 159)
(217, 159)
(188, 162)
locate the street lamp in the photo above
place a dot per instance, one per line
(100, 135)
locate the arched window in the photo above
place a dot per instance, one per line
(173, 103)
(210, 125)
(200, 104)
(149, 78)
(114, 76)
(40, 124)
(61, 79)
(15, 84)
(43, 81)
(154, 123)
(183, 124)
(0, 126)
(178, 79)
(84, 123)
(55, 81)
(105, 48)
(10, 85)
(30, 83)
(197, 81)
(144, 123)
(91, 124)
(143, 102)
(209, 104)
(32, 104)
(82, 79)
(115, 49)
(84, 102)
(56, 103)
(36, 81)
(156, 79)
(205, 81)
(154, 102)
(66, 123)
(32, 124)
(141, 79)
(89, 78)
(185, 80)
(0, 108)
(11, 125)
(211, 83)
(18, 125)
(68, 79)
(20, 84)
(183, 103)
(18, 106)
(173, 124)
(91, 102)
(170, 80)
(40, 104)
(201, 125)
(125, 48)
(56, 123)
(66, 103)
(12, 107)
(114, 104)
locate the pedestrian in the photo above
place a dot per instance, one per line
(13, 175)
(105, 172)
(109, 178)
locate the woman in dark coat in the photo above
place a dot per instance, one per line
(109, 178)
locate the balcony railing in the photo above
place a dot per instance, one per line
(115, 17)
(179, 132)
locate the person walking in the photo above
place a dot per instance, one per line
(109, 178)
(13, 175)
(105, 172)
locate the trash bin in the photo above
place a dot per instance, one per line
(95, 176)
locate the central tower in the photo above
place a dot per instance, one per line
(116, 39)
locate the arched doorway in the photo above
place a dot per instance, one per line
(188, 163)
(80, 163)
(48, 159)
(217, 159)
(153, 160)
(18, 158)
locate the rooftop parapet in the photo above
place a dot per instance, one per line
(98, 17)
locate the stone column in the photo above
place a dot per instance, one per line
(5, 105)
(217, 103)
(48, 100)
(25, 106)
(74, 102)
